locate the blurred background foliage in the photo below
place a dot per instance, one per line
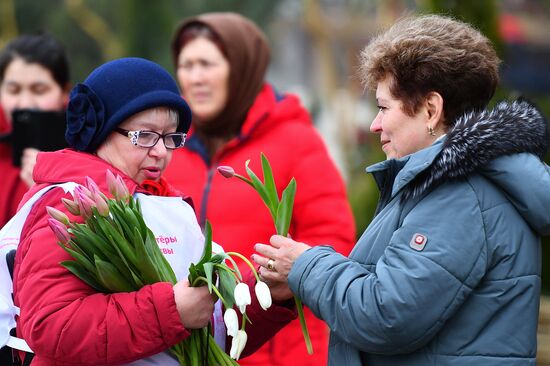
(315, 47)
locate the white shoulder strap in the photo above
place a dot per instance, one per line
(9, 240)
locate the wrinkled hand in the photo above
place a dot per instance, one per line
(195, 304)
(28, 161)
(283, 251)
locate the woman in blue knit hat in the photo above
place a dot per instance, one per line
(127, 117)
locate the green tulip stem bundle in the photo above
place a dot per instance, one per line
(280, 210)
(114, 251)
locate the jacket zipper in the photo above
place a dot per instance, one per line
(205, 194)
(212, 167)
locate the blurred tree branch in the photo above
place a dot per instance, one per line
(96, 28)
(8, 21)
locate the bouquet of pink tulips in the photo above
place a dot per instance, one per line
(115, 251)
(280, 210)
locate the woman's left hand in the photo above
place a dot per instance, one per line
(276, 261)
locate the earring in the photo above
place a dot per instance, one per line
(431, 131)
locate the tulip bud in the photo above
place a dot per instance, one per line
(263, 294)
(92, 186)
(112, 183)
(242, 296)
(85, 204)
(71, 206)
(226, 171)
(237, 345)
(123, 192)
(101, 204)
(231, 322)
(83, 190)
(59, 230)
(58, 215)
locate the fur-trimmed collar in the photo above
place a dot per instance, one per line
(479, 137)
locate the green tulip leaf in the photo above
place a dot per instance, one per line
(208, 272)
(80, 272)
(149, 273)
(207, 253)
(110, 277)
(218, 258)
(82, 260)
(284, 213)
(227, 288)
(269, 182)
(260, 188)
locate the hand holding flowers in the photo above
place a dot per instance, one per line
(281, 213)
(115, 251)
(284, 251)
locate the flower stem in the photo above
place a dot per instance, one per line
(248, 181)
(247, 262)
(199, 278)
(305, 331)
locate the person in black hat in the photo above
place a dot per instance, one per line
(127, 117)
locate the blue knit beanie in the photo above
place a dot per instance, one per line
(114, 92)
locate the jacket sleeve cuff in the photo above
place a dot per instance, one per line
(303, 264)
(173, 330)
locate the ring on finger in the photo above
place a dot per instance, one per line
(270, 265)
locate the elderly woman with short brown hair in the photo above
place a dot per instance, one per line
(448, 271)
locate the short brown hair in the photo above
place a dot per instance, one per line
(433, 53)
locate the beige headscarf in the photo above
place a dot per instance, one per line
(248, 54)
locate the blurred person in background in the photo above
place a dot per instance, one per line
(221, 61)
(449, 270)
(34, 74)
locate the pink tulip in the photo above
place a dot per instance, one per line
(112, 183)
(124, 194)
(60, 231)
(117, 187)
(92, 186)
(83, 190)
(58, 215)
(85, 203)
(101, 204)
(229, 172)
(71, 206)
(226, 171)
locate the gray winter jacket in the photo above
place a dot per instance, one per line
(448, 271)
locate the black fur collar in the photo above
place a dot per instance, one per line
(479, 137)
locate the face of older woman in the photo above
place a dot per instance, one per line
(30, 86)
(400, 134)
(140, 163)
(203, 74)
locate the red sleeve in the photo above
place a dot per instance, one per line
(12, 188)
(265, 323)
(67, 322)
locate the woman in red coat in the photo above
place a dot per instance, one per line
(34, 74)
(127, 117)
(221, 61)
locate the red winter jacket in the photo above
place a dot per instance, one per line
(282, 129)
(12, 188)
(65, 321)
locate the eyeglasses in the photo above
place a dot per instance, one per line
(143, 138)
